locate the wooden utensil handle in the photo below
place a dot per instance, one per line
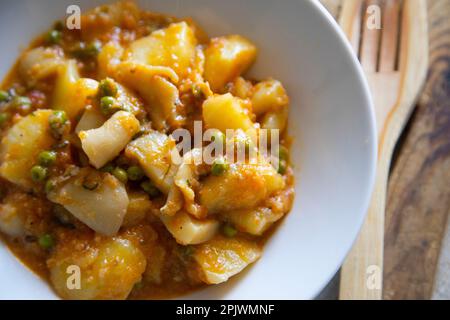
(362, 271)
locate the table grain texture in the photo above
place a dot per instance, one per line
(417, 228)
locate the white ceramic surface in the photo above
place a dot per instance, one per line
(331, 119)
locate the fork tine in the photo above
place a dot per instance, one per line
(389, 41)
(350, 21)
(370, 42)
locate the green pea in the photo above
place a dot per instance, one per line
(229, 231)
(283, 153)
(46, 241)
(4, 96)
(107, 87)
(120, 174)
(38, 173)
(86, 51)
(93, 48)
(282, 166)
(57, 119)
(19, 101)
(219, 166)
(135, 173)
(54, 37)
(107, 168)
(4, 117)
(149, 188)
(50, 186)
(47, 158)
(107, 104)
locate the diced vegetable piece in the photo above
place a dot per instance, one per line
(47, 158)
(160, 95)
(226, 112)
(149, 188)
(241, 88)
(243, 185)
(108, 58)
(172, 47)
(219, 166)
(227, 58)
(46, 241)
(108, 269)
(152, 151)
(21, 146)
(53, 37)
(275, 120)
(120, 174)
(254, 221)
(222, 258)
(102, 209)
(229, 231)
(38, 173)
(267, 96)
(11, 223)
(105, 143)
(40, 63)
(135, 173)
(92, 118)
(138, 206)
(72, 93)
(188, 230)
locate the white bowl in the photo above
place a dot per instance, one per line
(331, 118)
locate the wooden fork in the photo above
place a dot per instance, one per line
(395, 61)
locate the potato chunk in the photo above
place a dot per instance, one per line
(221, 258)
(108, 58)
(153, 151)
(105, 143)
(188, 230)
(226, 112)
(172, 47)
(242, 186)
(72, 93)
(21, 146)
(227, 58)
(92, 118)
(11, 222)
(97, 199)
(268, 95)
(257, 221)
(275, 120)
(40, 63)
(108, 268)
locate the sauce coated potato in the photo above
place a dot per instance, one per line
(226, 112)
(243, 186)
(21, 146)
(227, 58)
(221, 258)
(108, 268)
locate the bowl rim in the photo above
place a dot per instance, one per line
(372, 138)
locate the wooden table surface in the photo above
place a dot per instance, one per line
(418, 200)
